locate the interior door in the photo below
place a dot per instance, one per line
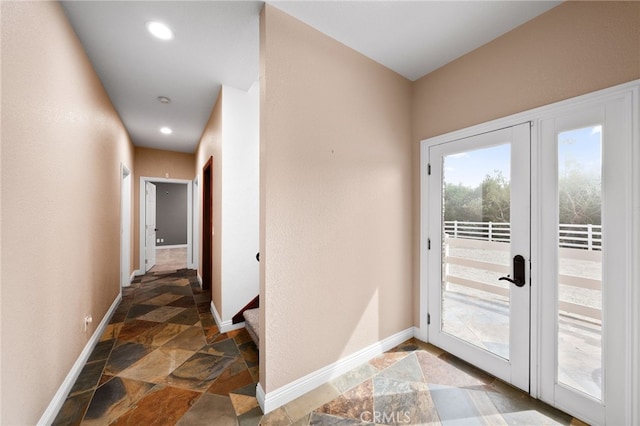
(150, 226)
(479, 250)
(207, 224)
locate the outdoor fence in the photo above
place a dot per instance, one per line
(579, 245)
(587, 237)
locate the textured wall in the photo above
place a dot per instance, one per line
(573, 49)
(62, 149)
(335, 200)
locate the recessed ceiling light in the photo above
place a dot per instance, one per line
(160, 30)
(166, 130)
(164, 100)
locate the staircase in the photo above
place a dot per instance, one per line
(250, 314)
(252, 324)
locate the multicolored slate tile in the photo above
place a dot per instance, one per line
(162, 360)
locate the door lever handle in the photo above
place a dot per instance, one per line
(518, 272)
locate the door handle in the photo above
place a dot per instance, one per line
(518, 272)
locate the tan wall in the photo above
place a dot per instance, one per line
(161, 164)
(335, 201)
(211, 145)
(573, 49)
(62, 146)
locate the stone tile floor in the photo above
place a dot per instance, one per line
(162, 361)
(419, 384)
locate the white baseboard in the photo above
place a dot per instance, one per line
(56, 403)
(224, 326)
(199, 279)
(261, 396)
(279, 397)
(138, 272)
(131, 277)
(421, 334)
(171, 247)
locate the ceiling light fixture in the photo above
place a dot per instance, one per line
(160, 30)
(166, 130)
(164, 100)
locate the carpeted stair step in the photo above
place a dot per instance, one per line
(252, 324)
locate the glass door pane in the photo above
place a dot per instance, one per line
(580, 260)
(479, 224)
(476, 247)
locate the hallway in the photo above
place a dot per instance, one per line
(161, 360)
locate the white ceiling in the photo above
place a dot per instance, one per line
(217, 42)
(414, 38)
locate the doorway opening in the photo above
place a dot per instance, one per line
(171, 226)
(527, 246)
(207, 224)
(155, 241)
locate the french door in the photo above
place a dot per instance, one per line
(586, 265)
(479, 221)
(530, 246)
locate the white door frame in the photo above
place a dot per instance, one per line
(625, 407)
(150, 225)
(125, 226)
(195, 217)
(143, 208)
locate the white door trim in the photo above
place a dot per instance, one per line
(141, 217)
(628, 407)
(150, 225)
(634, 297)
(195, 218)
(125, 225)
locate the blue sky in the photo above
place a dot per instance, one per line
(581, 147)
(471, 167)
